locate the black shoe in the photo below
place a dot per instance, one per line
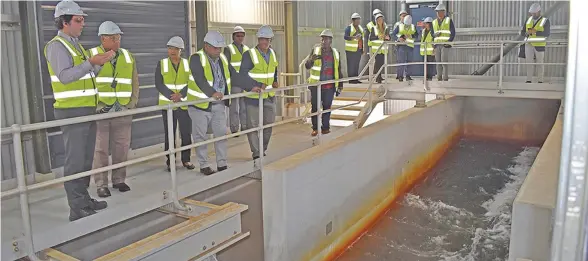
(408, 78)
(75, 214)
(97, 205)
(103, 192)
(439, 79)
(255, 157)
(400, 79)
(233, 132)
(528, 82)
(539, 82)
(122, 187)
(207, 171)
(429, 79)
(445, 80)
(222, 168)
(188, 165)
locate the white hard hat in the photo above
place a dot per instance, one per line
(355, 16)
(402, 12)
(109, 28)
(378, 16)
(440, 7)
(215, 38)
(176, 41)
(238, 29)
(327, 32)
(535, 8)
(376, 11)
(428, 20)
(265, 31)
(407, 20)
(68, 7)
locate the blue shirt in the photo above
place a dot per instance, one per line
(219, 80)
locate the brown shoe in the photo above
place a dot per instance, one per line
(326, 131)
(314, 133)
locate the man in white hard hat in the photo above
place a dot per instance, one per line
(260, 68)
(71, 73)
(444, 33)
(378, 35)
(171, 80)
(536, 29)
(354, 46)
(234, 52)
(405, 33)
(118, 89)
(324, 64)
(402, 14)
(211, 78)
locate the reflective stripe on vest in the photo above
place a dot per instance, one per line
(174, 80)
(194, 92)
(236, 56)
(444, 29)
(428, 46)
(533, 38)
(315, 71)
(404, 30)
(262, 71)
(122, 74)
(375, 44)
(80, 93)
(353, 44)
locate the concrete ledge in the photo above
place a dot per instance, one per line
(533, 208)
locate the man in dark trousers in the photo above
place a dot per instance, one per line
(171, 80)
(354, 35)
(234, 53)
(324, 64)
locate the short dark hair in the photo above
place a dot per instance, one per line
(62, 19)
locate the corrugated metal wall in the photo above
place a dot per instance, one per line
(147, 27)
(15, 106)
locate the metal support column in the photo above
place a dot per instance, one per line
(569, 236)
(290, 29)
(201, 14)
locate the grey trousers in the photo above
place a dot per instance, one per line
(237, 111)
(269, 116)
(531, 53)
(79, 141)
(216, 119)
(112, 135)
(442, 56)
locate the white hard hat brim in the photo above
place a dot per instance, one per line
(218, 45)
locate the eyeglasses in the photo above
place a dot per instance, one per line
(78, 20)
(115, 38)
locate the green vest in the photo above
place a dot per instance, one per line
(194, 92)
(174, 81)
(353, 44)
(370, 25)
(80, 93)
(122, 73)
(444, 30)
(536, 40)
(375, 44)
(427, 44)
(262, 71)
(396, 25)
(406, 30)
(236, 56)
(315, 71)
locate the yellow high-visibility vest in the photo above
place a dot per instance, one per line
(353, 44)
(536, 40)
(122, 73)
(236, 56)
(194, 92)
(174, 81)
(262, 71)
(315, 71)
(444, 29)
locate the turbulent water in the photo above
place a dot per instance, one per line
(460, 212)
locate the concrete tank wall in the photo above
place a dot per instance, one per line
(317, 202)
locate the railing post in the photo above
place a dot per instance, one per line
(172, 157)
(501, 67)
(372, 78)
(22, 188)
(260, 131)
(426, 84)
(386, 65)
(319, 116)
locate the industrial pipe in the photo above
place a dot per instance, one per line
(482, 70)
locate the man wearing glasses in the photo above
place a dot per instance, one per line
(74, 91)
(117, 84)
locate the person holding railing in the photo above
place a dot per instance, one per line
(379, 33)
(118, 90)
(405, 33)
(354, 48)
(444, 32)
(324, 64)
(72, 75)
(427, 50)
(259, 70)
(234, 52)
(211, 77)
(536, 29)
(171, 80)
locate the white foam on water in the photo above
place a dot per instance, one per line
(498, 215)
(435, 208)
